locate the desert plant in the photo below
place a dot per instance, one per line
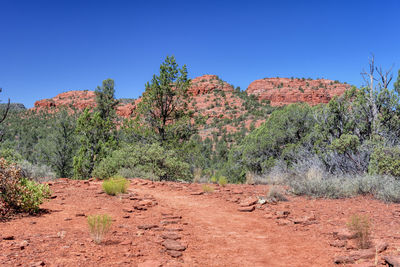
(276, 194)
(214, 179)
(250, 177)
(39, 173)
(32, 195)
(207, 188)
(18, 193)
(360, 225)
(115, 185)
(99, 225)
(222, 181)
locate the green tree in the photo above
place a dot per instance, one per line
(105, 100)
(95, 143)
(97, 135)
(60, 145)
(163, 110)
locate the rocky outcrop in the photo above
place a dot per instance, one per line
(77, 99)
(81, 100)
(206, 84)
(284, 91)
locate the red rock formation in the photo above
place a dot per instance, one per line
(284, 91)
(208, 83)
(77, 99)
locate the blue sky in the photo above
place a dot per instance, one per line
(49, 47)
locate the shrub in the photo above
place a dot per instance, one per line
(276, 194)
(39, 173)
(222, 181)
(18, 193)
(360, 225)
(385, 160)
(33, 195)
(115, 185)
(207, 188)
(146, 160)
(99, 225)
(214, 179)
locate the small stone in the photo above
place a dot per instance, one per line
(165, 222)
(282, 214)
(170, 244)
(249, 202)
(170, 217)
(338, 243)
(125, 243)
(174, 253)
(80, 214)
(355, 256)
(237, 191)
(172, 236)
(150, 263)
(147, 226)
(38, 263)
(9, 237)
(381, 246)
(61, 234)
(197, 193)
(147, 202)
(68, 219)
(127, 210)
(246, 209)
(343, 235)
(173, 229)
(392, 261)
(283, 222)
(23, 244)
(126, 216)
(139, 207)
(261, 201)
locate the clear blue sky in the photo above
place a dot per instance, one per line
(49, 47)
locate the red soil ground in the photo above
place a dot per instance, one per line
(209, 228)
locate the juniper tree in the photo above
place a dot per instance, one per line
(162, 112)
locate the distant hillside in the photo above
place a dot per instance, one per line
(13, 106)
(224, 108)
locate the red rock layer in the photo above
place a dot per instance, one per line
(284, 91)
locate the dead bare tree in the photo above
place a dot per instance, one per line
(384, 79)
(385, 76)
(369, 80)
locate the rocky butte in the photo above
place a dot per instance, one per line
(284, 91)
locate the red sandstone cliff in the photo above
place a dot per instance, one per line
(284, 91)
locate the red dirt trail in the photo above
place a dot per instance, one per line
(175, 224)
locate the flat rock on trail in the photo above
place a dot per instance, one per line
(165, 224)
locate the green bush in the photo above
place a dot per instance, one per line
(99, 225)
(148, 160)
(385, 160)
(222, 181)
(115, 185)
(18, 193)
(33, 195)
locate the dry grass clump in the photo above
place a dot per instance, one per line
(207, 188)
(250, 177)
(360, 225)
(222, 181)
(115, 185)
(276, 194)
(99, 225)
